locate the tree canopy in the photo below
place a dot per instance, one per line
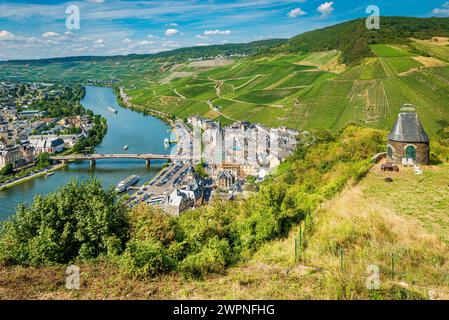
(79, 221)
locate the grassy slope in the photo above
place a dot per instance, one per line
(376, 226)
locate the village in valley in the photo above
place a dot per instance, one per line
(27, 132)
(226, 162)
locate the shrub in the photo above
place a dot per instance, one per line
(79, 221)
(146, 258)
(148, 223)
(212, 258)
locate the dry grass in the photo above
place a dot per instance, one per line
(430, 62)
(210, 63)
(438, 41)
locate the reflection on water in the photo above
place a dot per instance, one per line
(143, 134)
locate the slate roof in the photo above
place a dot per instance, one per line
(408, 128)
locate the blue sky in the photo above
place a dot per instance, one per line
(37, 29)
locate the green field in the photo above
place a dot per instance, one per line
(118, 69)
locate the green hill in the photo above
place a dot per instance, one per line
(120, 68)
(353, 39)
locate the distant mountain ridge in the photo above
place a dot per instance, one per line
(255, 47)
(352, 38)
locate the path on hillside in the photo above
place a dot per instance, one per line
(218, 84)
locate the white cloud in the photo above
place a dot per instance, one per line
(50, 34)
(6, 35)
(170, 44)
(144, 43)
(152, 36)
(443, 11)
(171, 32)
(326, 8)
(201, 37)
(217, 32)
(172, 24)
(296, 13)
(99, 41)
(96, 1)
(127, 40)
(202, 44)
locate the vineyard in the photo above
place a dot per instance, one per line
(370, 94)
(310, 90)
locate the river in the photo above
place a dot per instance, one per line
(143, 134)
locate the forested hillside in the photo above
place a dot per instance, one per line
(353, 39)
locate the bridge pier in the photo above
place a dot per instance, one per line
(93, 162)
(148, 162)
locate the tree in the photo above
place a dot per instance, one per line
(199, 168)
(43, 160)
(79, 221)
(7, 169)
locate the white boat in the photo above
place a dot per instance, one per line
(128, 182)
(126, 147)
(49, 174)
(112, 110)
(166, 143)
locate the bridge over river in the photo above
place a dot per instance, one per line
(93, 158)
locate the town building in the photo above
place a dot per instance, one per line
(179, 201)
(225, 179)
(70, 140)
(17, 155)
(48, 144)
(408, 143)
(32, 114)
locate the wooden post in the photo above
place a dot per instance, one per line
(148, 162)
(392, 266)
(341, 258)
(296, 250)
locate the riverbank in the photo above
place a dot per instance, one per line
(33, 176)
(124, 101)
(55, 167)
(143, 134)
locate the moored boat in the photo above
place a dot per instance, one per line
(122, 186)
